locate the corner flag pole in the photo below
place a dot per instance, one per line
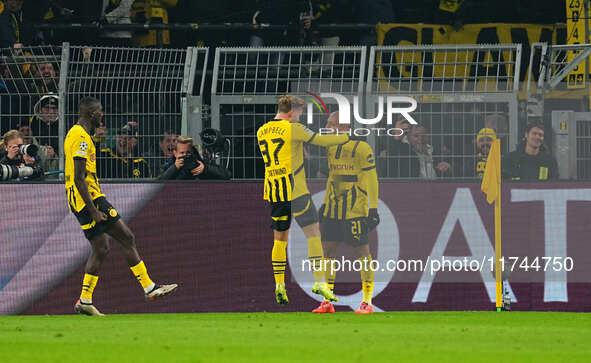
(491, 185)
(498, 275)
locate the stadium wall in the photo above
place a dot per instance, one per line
(214, 240)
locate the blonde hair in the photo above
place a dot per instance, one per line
(11, 135)
(288, 102)
(184, 140)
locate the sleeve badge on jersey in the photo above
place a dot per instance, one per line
(82, 149)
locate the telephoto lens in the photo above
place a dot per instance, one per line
(28, 149)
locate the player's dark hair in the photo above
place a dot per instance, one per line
(87, 106)
(531, 125)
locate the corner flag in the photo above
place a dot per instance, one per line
(491, 186)
(491, 181)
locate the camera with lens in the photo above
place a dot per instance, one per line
(215, 146)
(190, 160)
(28, 149)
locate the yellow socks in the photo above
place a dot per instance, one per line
(367, 277)
(315, 255)
(88, 285)
(141, 274)
(330, 274)
(279, 260)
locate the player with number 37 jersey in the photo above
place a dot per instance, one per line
(281, 143)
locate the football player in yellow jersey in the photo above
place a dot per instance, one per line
(349, 211)
(281, 144)
(96, 215)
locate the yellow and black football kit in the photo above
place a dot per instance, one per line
(79, 144)
(281, 145)
(480, 164)
(351, 190)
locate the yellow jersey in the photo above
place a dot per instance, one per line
(79, 144)
(352, 186)
(281, 145)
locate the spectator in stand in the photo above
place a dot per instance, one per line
(11, 24)
(123, 161)
(187, 164)
(475, 167)
(400, 136)
(116, 12)
(532, 160)
(416, 159)
(44, 125)
(14, 157)
(391, 148)
(46, 155)
(151, 12)
(166, 146)
(429, 167)
(47, 77)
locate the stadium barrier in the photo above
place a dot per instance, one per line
(247, 83)
(198, 235)
(558, 94)
(156, 89)
(458, 90)
(29, 81)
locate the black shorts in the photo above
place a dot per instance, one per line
(302, 209)
(92, 229)
(350, 231)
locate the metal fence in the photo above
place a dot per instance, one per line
(247, 83)
(144, 96)
(151, 93)
(459, 90)
(29, 78)
(149, 96)
(560, 98)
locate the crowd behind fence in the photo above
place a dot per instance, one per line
(150, 96)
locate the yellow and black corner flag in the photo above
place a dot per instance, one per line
(491, 186)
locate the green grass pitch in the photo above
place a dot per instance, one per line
(299, 337)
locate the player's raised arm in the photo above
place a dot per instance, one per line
(82, 186)
(304, 134)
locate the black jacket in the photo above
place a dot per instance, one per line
(518, 165)
(211, 171)
(10, 29)
(403, 162)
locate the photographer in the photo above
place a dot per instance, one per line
(187, 164)
(19, 161)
